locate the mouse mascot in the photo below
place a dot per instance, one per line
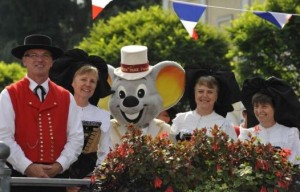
(142, 91)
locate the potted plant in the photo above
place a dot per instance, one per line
(204, 163)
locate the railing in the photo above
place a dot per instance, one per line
(6, 181)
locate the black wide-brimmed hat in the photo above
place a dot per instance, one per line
(286, 102)
(229, 90)
(37, 41)
(64, 69)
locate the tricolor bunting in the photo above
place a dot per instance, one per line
(189, 15)
(98, 6)
(278, 19)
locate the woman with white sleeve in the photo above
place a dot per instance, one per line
(273, 114)
(86, 78)
(211, 95)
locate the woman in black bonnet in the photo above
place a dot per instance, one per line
(272, 114)
(86, 78)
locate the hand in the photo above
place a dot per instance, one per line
(37, 170)
(184, 135)
(55, 169)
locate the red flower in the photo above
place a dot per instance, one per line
(215, 146)
(263, 189)
(285, 152)
(278, 173)
(169, 189)
(157, 182)
(93, 179)
(121, 150)
(130, 151)
(283, 184)
(262, 164)
(119, 167)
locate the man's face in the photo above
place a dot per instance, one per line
(38, 62)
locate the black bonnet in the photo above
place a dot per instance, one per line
(229, 91)
(286, 103)
(64, 68)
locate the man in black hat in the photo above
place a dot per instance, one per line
(39, 119)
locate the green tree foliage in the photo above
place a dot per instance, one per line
(10, 73)
(65, 21)
(260, 48)
(116, 6)
(164, 35)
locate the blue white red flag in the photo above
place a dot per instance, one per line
(278, 19)
(189, 15)
(98, 6)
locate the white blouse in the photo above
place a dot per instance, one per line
(278, 135)
(94, 114)
(191, 120)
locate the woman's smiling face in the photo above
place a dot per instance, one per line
(205, 97)
(85, 84)
(264, 112)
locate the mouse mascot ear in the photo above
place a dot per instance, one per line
(170, 80)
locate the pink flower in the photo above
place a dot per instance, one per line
(256, 129)
(163, 135)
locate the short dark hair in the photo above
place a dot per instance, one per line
(262, 98)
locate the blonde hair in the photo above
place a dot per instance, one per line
(87, 69)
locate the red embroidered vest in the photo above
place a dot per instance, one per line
(40, 128)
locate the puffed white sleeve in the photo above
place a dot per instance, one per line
(229, 129)
(244, 134)
(17, 157)
(294, 140)
(176, 124)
